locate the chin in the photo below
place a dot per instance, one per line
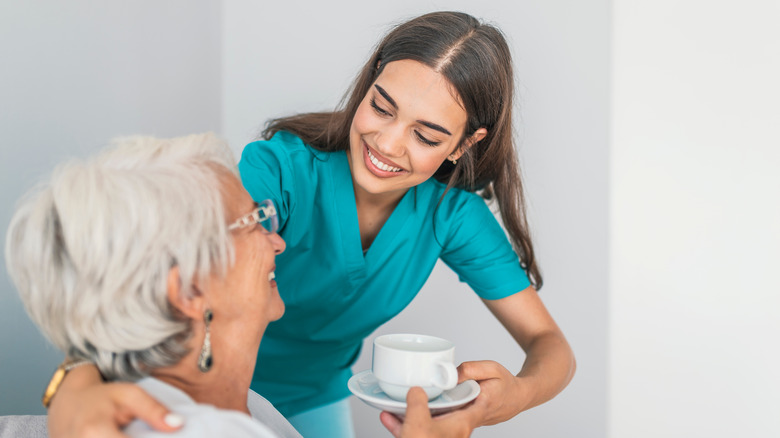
(369, 186)
(278, 310)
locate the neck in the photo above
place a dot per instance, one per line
(377, 201)
(219, 392)
(373, 201)
(225, 386)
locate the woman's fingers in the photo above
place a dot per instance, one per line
(391, 423)
(101, 410)
(134, 403)
(90, 413)
(417, 411)
(416, 422)
(480, 370)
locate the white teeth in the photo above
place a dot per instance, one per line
(271, 275)
(382, 165)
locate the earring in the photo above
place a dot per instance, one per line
(454, 161)
(205, 359)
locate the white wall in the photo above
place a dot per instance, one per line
(73, 75)
(695, 219)
(287, 57)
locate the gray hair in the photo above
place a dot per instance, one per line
(90, 249)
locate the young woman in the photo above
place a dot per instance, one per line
(371, 195)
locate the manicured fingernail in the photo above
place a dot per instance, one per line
(174, 420)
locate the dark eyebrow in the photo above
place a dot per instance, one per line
(386, 96)
(434, 126)
(422, 122)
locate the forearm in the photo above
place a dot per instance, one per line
(79, 378)
(548, 368)
(549, 364)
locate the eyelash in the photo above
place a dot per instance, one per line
(419, 136)
(425, 140)
(379, 110)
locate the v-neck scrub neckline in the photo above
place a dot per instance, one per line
(335, 295)
(345, 203)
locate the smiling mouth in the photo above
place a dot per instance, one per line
(381, 164)
(378, 166)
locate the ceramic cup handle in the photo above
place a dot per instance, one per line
(447, 377)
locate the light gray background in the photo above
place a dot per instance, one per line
(695, 219)
(648, 135)
(72, 76)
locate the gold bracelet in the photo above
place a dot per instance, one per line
(59, 375)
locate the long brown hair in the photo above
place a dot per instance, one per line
(475, 59)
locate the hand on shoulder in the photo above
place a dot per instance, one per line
(84, 406)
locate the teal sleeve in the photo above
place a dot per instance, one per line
(478, 250)
(267, 173)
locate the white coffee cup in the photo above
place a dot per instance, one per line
(401, 361)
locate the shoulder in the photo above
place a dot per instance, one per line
(263, 411)
(460, 216)
(452, 204)
(283, 146)
(200, 420)
(284, 140)
(207, 422)
(284, 155)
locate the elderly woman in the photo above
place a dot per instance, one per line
(152, 262)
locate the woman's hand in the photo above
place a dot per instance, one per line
(86, 407)
(502, 395)
(418, 422)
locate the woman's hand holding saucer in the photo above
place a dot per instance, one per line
(502, 396)
(419, 423)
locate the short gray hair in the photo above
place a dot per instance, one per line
(90, 249)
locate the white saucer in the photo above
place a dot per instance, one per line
(365, 386)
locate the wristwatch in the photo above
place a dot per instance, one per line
(59, 375)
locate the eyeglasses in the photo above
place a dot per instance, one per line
(264, 214)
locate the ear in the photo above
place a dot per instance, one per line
(190, 305)
(475, 138)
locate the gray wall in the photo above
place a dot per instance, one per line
(75, 74)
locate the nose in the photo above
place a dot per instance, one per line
(390, 141)
(277, 243)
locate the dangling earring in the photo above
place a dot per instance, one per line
(454, 161)
(205, 360)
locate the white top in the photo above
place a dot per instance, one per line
(203, 420)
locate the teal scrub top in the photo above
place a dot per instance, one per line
(335, 294)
